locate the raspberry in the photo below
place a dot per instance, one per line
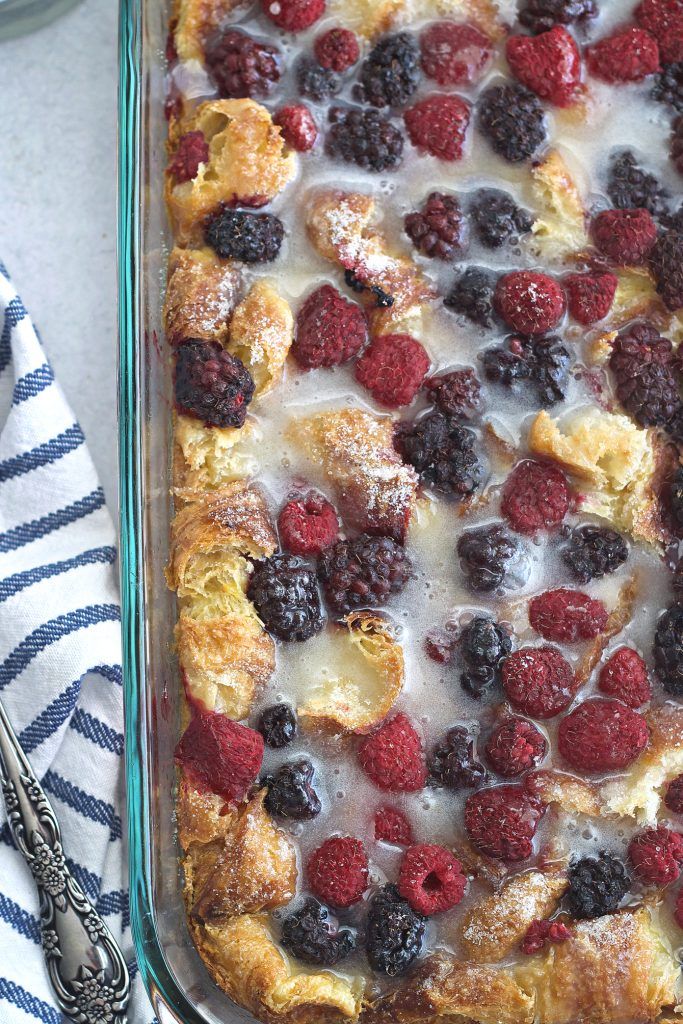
(539, 933)
(594, 552)
(491, 559)
(290, 791)
(439, 228)
(220, 755)
(431, 879)
(624, 676)
(337, 49)
(440, 644)
(668, 650)
(483, 645)
(642, 365)
(191, 152)
(673, 798)
(337, 871)
(277, 724)
(390, 73)
(308, 936)
(314, 82)
(666, 262)
(394, 932)
(393, 756)
(472, 295)
(541, 15)
(668, 87)
(284, 592)
(664, 20)
(597, 886)
(535, 497)
(602, 736)
(627, 56)
(630, 187)
(515, 746)
(497, 219)
(656, 855)
(364, 138)
(299, 129)
(590, 296)
(678, 910)
(363, 572)
(393, 368)
(308, 525)
(502, 821)
(452, 763)
(453, 53)
(549, 64)
(391, 826)
(566, 616)
(442, 452)
(538, 681)
(294, 15)
(529, 302)
(329, 329)
(511, 118)
(240, 66)
(456, 393)
(212, 385)
(676, 144)
(438, 125)
(248, 237)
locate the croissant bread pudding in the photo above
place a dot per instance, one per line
(423, 314)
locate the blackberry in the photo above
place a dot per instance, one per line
(483, 646)
(308, 936)
(668, 87)
(675, 502)
(277, 724)
(507, 365)
(472, 296)
(593, 552)
(452, 763)
(549, 363)
(442, 452)
(666, 262)
(629, 186)
(511, 117)
(497, 218)
(642, 365)
(676, 144)
(315, 82)
(390, 73)
(456, 393)
(394, 932)
(363, 572)
(492, 558)
(212, 385)
(290, 791)
(284, 591)
(364, 138)
(597, 885)
(382, 299)
(541, 15)
(438, 230)
(240, 66)
(248, 237)
(668, 649)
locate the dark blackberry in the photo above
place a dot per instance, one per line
(442, 452)
(277, 724)
(549, 363)
(541, 15)
(290, 791)
(394, 932)
(676, 144)
(456, 393)
(382, 299)
(363, 572)
(597, 885)
(472, 295)
(645, 384)
(675, 502)
(248, 237)
(308, 935)
(240, 66)
(212, 385)
(390, 73)
(497, 218)
(593, 552)
(668, 649)
(284, 591)
(438, 229)
(511, 117)
(364, 138)
(483, 645)
(507, 365)
(315, 82)
(668, 87)
(492, 558)
(629, 186)
(666, 262)
(452, 763)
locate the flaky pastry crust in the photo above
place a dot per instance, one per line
(559, 230)
(201, 294)
(208, 458)
(195, 20)
(261, 334)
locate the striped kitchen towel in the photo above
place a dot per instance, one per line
(60, 672)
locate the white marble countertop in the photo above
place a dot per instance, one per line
(58, 207)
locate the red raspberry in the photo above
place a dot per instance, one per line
(294, 15)
(193, 150)
(602, 736)
(454, 53)
(337, 49)
(391, 826)
(502, 821)
(664, 20)
(535, 497)
(440, 644)
(590, 296)
(220, 755)
(624, 236)
(329, 329)
(541, 932)
(549, 64)
(538, 681)
(308, 525)
(566, 616)
(529, 302)
(678, 911)
(627, 56)
(299, 129)
(515, 746)
(625, 677)
(431, 879)
(393, 756)
(673, 798)
(337, 871)
(438, 124)
(656, 854)
(393, 368)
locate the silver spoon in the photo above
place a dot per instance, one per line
(85, 965)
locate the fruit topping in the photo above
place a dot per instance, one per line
(668, 87)
(530, 302)
(590, 296)
(664, 20)
(308, 935)
(602, 736)
(278, 726)
(192, 151)
(438, 125)
(443, 453)
(593, 552)
(393, 368)
(454, 53)
(329, 329)
(483, 645)
(597, 885)
(492, 559)
(566, 616)
(314, 82)
(549, 64)
(540, 362)
(514, 747)
(220, 755)
(535, 497)
(431, 879)
(511, 117)
(284, 591)
(642, 364)
(212, 385)
(456, 393)
(497, 219)
(393, 756)
(502, 821)
(392, 826)
(629, 55)
(290, 791)
(630, 187)
(676, 144)
(337, 871)
(540, 933)
(541, 15)
(394, 932)
(624, 236)
(240, 66)
(248, 237)
(673, 798)
(666, 262)
(452, 763)
(299, 129)
(390, 74)
(538, 681)
(656, 855)
(668, 650)
(624, 676)
(308, 525)
(472, 295)
(363, 572)
(365, 138)
(438, 229)
(337, 49)
(294, 15)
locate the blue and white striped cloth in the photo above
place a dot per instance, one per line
(60, 672)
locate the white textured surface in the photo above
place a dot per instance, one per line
(58, 206)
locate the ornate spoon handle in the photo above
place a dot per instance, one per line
(86, 967)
